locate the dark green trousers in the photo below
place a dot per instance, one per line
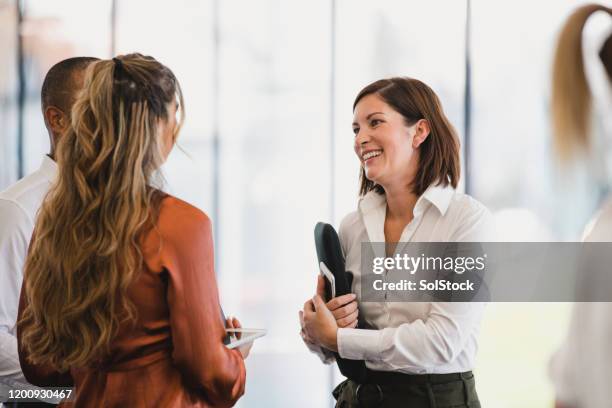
(457, 393)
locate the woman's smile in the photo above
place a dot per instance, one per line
(369, 155)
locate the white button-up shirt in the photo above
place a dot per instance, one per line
(414, 337)
(19, 205)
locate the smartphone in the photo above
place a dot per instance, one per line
(330, 281)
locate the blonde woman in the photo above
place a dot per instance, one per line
(582, 368)
(119, 295)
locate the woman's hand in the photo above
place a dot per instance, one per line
(319, 323)
(233, 323)
(344, 308)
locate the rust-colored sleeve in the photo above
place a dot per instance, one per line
(197, 329)
(40, 375)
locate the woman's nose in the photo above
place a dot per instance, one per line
(362, 138)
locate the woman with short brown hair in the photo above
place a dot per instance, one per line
(417, 354)
(439, 156)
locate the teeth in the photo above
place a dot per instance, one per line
(371, 154)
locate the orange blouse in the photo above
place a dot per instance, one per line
(174, 355)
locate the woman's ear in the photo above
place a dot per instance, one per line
(421, 133)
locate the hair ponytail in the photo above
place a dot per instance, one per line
(571, 97)
(85, 252)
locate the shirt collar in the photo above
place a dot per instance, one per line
(373, 208)
(48, 168)
(438, 195)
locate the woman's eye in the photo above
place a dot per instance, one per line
(375, 122)
(355, 130)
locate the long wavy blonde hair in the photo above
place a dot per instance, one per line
(571, 96)
(85, 251)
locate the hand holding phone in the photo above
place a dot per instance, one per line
(330, 282)
(344, 307)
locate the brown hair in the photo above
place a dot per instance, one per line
(439, 153)
(571, 97)
(85, 252)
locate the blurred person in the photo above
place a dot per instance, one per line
(581, 369)
(119, 296)
(19, 204)
(417, 354)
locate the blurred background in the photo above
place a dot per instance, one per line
(266, 149)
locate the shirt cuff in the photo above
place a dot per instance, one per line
(325, 355)
(359, 344)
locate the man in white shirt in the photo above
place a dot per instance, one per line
(18, 207)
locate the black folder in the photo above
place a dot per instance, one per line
(330, 253)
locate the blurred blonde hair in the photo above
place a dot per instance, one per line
(571, 97)
(85, 251)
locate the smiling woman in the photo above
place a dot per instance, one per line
(402, 104)
(418, 354)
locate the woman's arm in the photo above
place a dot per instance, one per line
(418, 345)
(197, 329)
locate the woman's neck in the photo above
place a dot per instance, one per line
(400, 202)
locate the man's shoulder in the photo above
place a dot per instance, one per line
(25, 196)
(17, 223)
